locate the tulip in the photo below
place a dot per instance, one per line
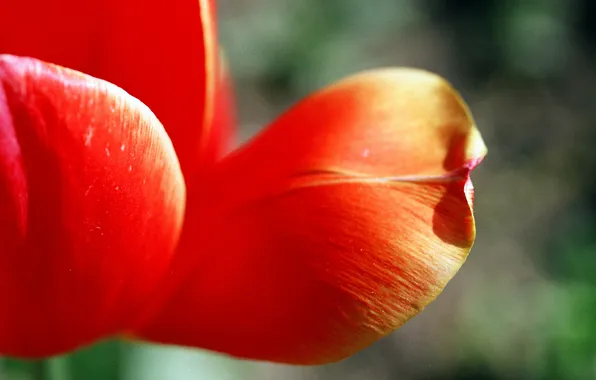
(329, 230)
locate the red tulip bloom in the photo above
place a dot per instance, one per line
(327, 231)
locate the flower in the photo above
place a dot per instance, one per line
(327, 231)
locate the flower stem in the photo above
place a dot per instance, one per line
(39, 370)
(51, 369)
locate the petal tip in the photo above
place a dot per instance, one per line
(476, 149)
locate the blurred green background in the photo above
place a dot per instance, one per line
(524, 305)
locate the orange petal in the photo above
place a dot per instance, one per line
(332, 228)
(92, 200)
(163, 52)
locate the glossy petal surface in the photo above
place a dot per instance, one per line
(91, 204)
(164, 53)
(333, 227)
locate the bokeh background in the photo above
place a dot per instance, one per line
(524, 305)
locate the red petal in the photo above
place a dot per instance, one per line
(163, 52)
(92, 199)
(332, 228)
(223, 122)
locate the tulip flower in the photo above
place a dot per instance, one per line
(122, 215)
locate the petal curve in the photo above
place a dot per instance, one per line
(333, 227)
(164, 53)
(91, 200)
